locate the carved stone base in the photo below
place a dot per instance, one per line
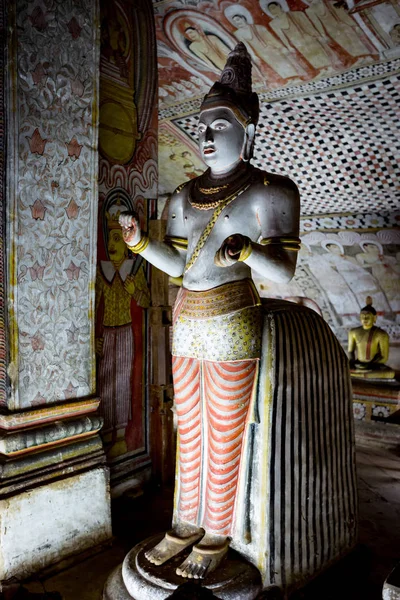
(137, 578)
(53, 521)
(391, 587)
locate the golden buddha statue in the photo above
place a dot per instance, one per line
(369, 347)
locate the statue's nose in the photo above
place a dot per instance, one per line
(209, 135)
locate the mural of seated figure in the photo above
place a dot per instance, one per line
(369, 347)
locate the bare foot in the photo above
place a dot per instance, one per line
(204, 557)
(173, 543)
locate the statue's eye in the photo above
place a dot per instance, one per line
(219, 126)
(201, 128)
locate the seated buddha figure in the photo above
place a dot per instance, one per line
(369, 347)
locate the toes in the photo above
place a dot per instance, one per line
(200, 571)
(185, 569)
(154, 556)
(180, 570)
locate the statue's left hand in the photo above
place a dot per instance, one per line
(230, 250)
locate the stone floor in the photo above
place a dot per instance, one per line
(359, 576)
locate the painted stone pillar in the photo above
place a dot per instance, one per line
(54, 489)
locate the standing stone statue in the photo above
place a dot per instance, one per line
(262, 388)
(231, 219)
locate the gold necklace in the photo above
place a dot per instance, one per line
(211, 196)
(209, 203)
(213, 190)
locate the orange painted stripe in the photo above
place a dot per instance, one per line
(246, 387)
(233, 440)
(185, 430)
(211, 376)
(182, 372)
(183, 392)
(222, 460)
(183, 411)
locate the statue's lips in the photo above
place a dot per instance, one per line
(209, 150)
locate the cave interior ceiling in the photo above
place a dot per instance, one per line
(328, 78)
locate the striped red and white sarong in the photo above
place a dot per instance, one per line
(213, 398)
(212, 403)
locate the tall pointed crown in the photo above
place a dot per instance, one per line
(112, 215)
(233, 90)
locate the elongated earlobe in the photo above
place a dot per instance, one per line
(248, 143)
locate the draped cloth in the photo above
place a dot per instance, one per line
(270, 463)
(216, 348)
(115, 376)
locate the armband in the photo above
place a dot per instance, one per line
(176, 242)
(141, 245)
(290, 243)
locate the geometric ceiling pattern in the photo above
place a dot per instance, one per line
(327, 75)
(342, 147)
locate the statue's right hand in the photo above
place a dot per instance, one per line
(130, 225)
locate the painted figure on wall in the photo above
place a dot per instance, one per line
(382, 19)
(117, 285)
(356, 281)
(297, 33)
(369, 347)
(326, 268)
(395, 34)
(205, 45)
(217, 315)
(385, 269)
(264, 46)
(336, 26)
(115, 38)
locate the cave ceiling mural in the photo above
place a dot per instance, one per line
(328, 77)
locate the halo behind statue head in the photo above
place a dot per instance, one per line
(233, 90)
(368, 307)
(234, 10)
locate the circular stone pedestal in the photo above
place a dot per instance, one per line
(137, 578)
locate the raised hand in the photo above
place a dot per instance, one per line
(230, 250)
(130, 225)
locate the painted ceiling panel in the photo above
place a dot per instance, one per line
(342, 148)
(289, 40)
(329, 99)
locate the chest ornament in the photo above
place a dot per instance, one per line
(205, 194)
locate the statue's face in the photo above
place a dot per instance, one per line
(239, 21)
(371, 249)
(221, 139)
(275, 9)
(367, 319)
(192, 34)
(116, 245)
(395, 34)
(334, 249)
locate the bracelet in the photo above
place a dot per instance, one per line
(246, 250)
(141, 245)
